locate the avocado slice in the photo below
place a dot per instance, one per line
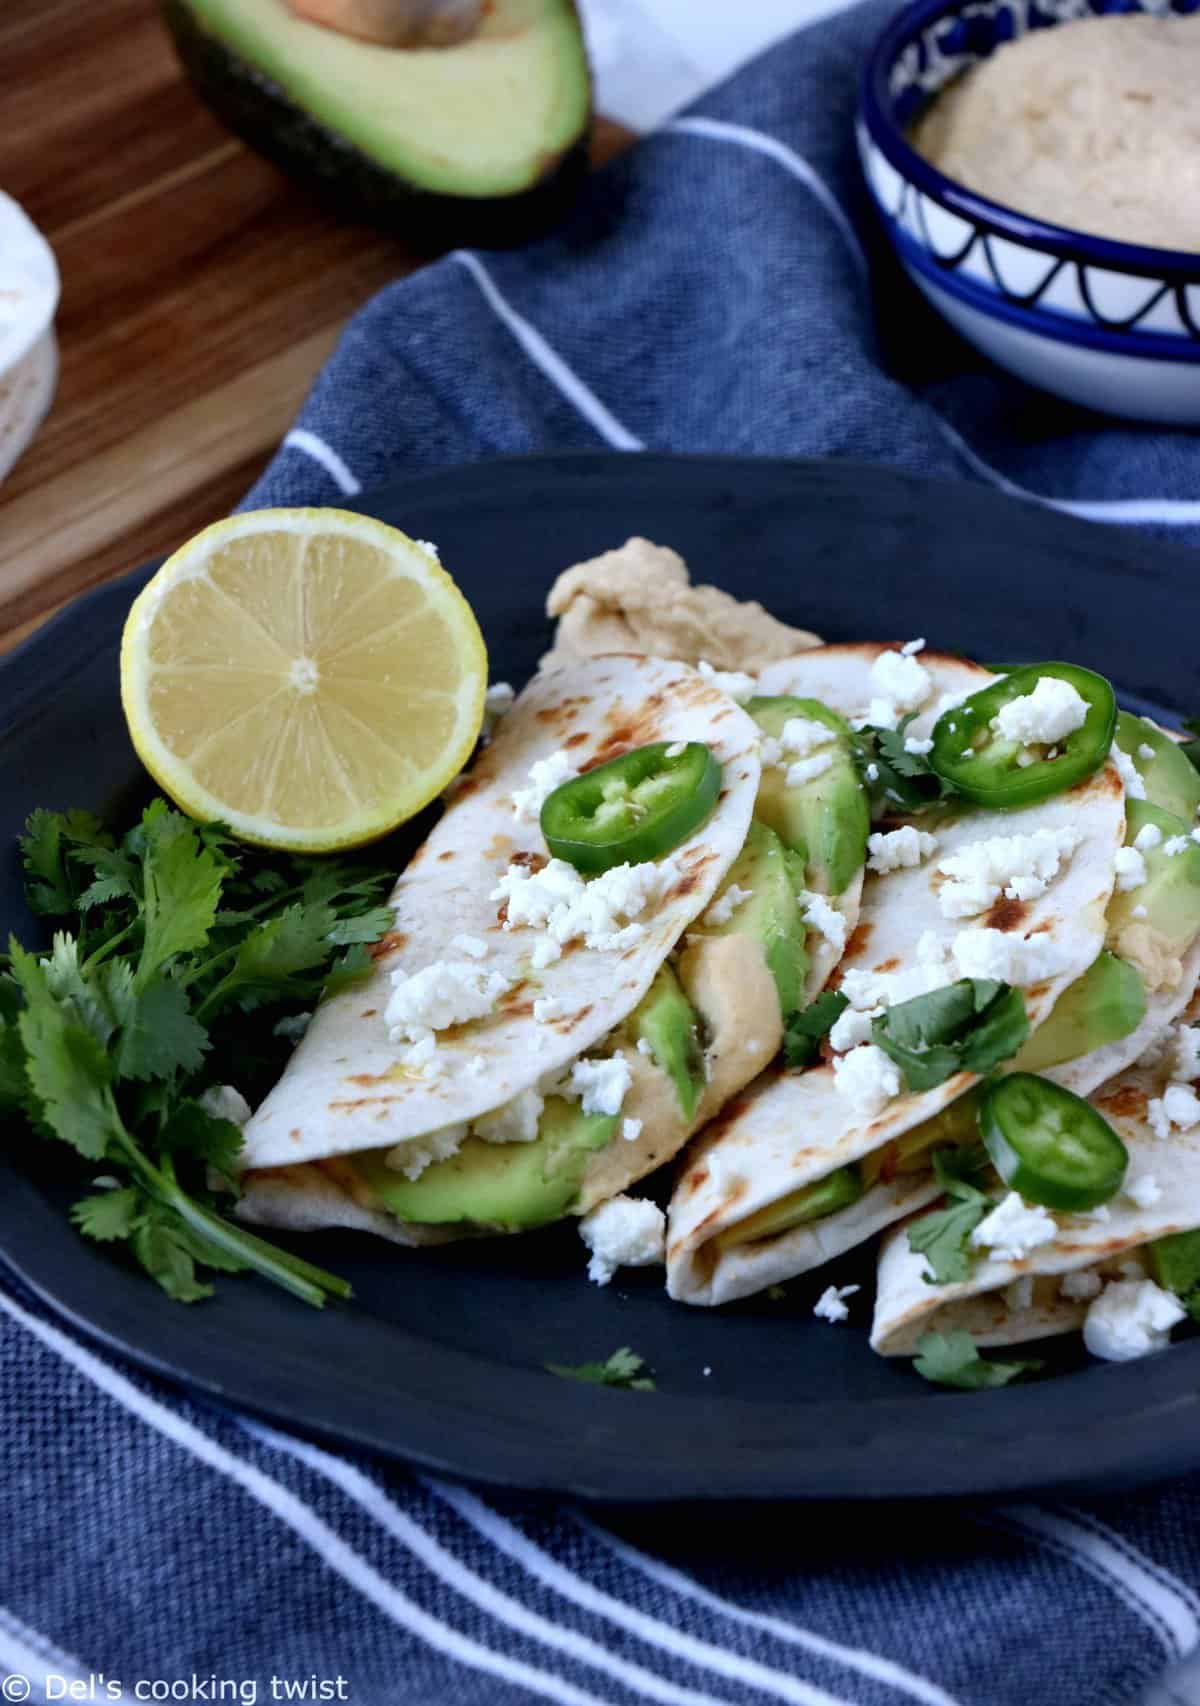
(771, 915)
(827, 819)
(1171, 892)
(666, 1020)
(510, 1186)
(483, 140)
(1105, 1004)
(1172, 781)
(953, 1126)
(1175, 1264)
(811, 1202)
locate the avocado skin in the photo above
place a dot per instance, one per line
(668, 1022)
(1172, 782)
(826, 820)
(1171, 892)
(1102, 1006)
(507, 1186)
(255, 108)
(771, 916)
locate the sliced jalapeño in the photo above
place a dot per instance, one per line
(1049, 1145)
(634, 808)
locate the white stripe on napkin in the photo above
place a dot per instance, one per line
(556, 370)
(372, 1499)
(332, 1550)
(309, 444)
(855, 1658)
(741, 135)
(507, 1538)
(25, 1652)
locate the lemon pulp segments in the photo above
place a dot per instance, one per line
(310, 676)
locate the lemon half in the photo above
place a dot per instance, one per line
(311, 677)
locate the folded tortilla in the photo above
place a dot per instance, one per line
(907, 1306)
(792, 1129)
(347, 1088)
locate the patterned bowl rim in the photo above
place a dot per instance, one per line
(875, 105)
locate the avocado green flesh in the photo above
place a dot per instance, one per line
(952, 1127)
(1172, 781)
(1102, 1006)
(490, 116)
(1175, 1263)
(771, 916)
(666, 1020)
(1171, 892)
(811, 1202)
(827, 819)
(512, 1186)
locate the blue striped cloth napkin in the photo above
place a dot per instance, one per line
(710, 294)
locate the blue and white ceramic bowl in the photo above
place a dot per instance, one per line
(1111, 325)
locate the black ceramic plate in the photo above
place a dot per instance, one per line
(440, 1358)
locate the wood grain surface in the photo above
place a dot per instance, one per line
(201, 293)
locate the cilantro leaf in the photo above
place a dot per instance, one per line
(804, 1029)
(969, 1026)
(49, 840)
(69, 1073)
(623, 1368)
(272, 955)
(897, 780)
(167, 1258)
(943, 1235)
(192, 1130)
(363, 927)
(109, 1215)
(347, 970)
(159, 1036)
(951, 1359)
(181, 888)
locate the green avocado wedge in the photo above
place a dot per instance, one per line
(669, 1025)
(1172, 782)
(1170, 895)
(484, 140)
(770, 914)
(508, 1186)
(826, 819)
(1102, 1006)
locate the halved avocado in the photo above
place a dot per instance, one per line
(485, 139)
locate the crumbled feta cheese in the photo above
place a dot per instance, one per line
(982, 952)
(421, 1054)
(1145, 1191)
(871, 990)
(1139, 912)
(557, 899)
(1131, 1318)
(899, 849)
(474, 947)
(415, 1154)
(824, 918)
(1177, 1106)
(1146, 752)
(545, 953)
(600, 1085)
(910, 648)
(1022, 867)
(899, 677)
(1099, 1215)
(734, 682)
(831, 1305)
(477, 1065)
(1052, 711)
(1130, 868)
(624, 1232)
(548, 1007)
(544, 776)
(1018, 1297)
(1185, 1054)
(293, 1027)
(631, 1130)
(867, 1079)
(850, 1028)
(223, 1102)
(725, 905)
(676, 749)
(1013, 1229)
(428, 545)
(1135, 788)
(1176, 845)
(448, 992)
(1148, 837)
(872, 772)
(512, 1122)
(917, 746)
(644, 1046)
(808, 769)
(1081, 1286)
(801, 736)
(497, 703)
(881, 714)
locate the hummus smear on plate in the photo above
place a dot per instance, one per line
(1093, 125)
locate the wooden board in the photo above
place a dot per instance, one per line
(201, 293)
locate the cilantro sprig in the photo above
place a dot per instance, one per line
(896, 780)
(623, 1368)
(951, 1359)
(804, 1029)
(969, 1026)
(174, 954)
(943, 1236)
